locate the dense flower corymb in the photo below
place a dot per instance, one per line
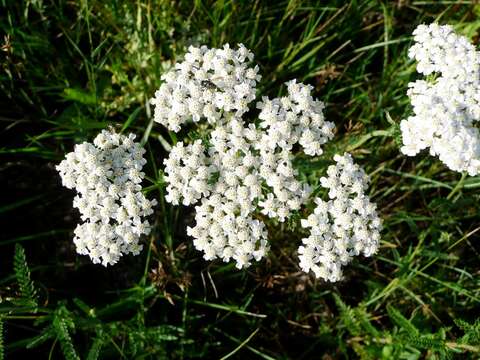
(447, 109)
(207, 83)
(107, 176)
(292, 119)
(238, 174)
(345, 226)
(242, 169)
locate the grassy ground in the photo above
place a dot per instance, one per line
(70, 68)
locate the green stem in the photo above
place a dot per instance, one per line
(366, 137)
(458, 186)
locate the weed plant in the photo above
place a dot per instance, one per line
(72, 68)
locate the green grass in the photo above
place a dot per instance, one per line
(71, 68)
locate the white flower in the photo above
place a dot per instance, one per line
(107, 174)
(345, 226)
(207, 83)
(447, 109)
(241, 170)
(225, 235)
(187, 173)
(297, 118)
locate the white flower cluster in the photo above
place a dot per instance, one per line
(296, 118)
(107, 176)
(447, 109)
(222, 231)
(228, 184)
(243, 168)
(285, 122)
(343, 227)
(207, 83)
(187, 173)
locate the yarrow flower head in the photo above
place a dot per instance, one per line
(344, 226)
(296, 118)
(206, 84)
(225, 178)
(107, 176)
(242, 170)
(447, 109)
